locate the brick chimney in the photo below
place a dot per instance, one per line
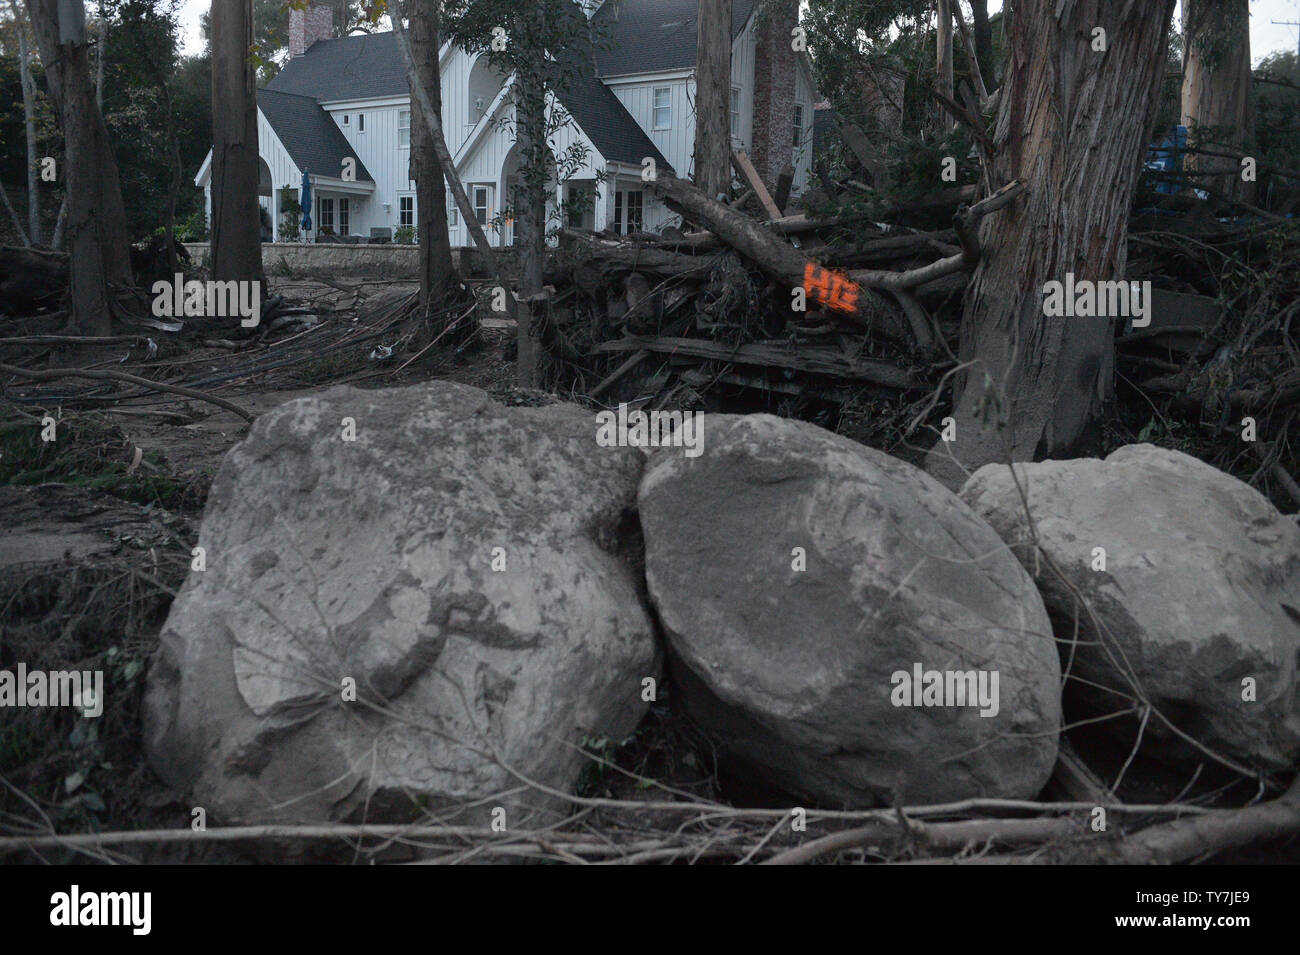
(774, 90)
(308, 26)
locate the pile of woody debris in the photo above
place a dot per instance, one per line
(852, 320)
(763, 309)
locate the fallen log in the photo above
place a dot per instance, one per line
(785, 263)
(1205, 835)
(635, 257)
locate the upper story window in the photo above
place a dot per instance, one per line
(361, 122)
(404, 127)
(345, 119)
(735, 112)
(663, 107)
(798, 126)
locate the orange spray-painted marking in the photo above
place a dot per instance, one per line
(830, 288)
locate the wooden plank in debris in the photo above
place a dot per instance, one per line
(740, 159)
(816, 359)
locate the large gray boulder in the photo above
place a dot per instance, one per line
(1200, 590)
(796, 672)
(372, 560)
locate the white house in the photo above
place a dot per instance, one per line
(340, 112)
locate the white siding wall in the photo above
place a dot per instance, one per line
(485, 165)
(388, 162)
(678, 143)
(283, 173)
(385, 161)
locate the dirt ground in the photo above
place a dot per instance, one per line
(96, 526)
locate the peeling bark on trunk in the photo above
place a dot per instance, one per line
(236, 222)
(1073, 125)
(1216, 89)
(437, 273)
(713, 98)
(29, 125)
(97, 218)
(943, 57)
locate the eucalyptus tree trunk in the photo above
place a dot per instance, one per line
(432, 117)
(100, 250)
(1216, 101)
(943, 57)
(29, 125)
(236, 221)
(436, 270)
(1072, 124)
(713, 98)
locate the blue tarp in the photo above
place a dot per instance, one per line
(306, 202)
(1168, 158)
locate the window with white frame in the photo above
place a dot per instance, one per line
(345, 119)
(404, 127)
(453, 214)
(663, 107)
(634, 210)
(361, 122)
(798, 126)
(325, 214)
(344, 224)
(483, 204)
(629, 206)
(406, 210)
(735, 112)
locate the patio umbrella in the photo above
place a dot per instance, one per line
(306, 202)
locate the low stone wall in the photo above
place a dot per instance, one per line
(300, 258)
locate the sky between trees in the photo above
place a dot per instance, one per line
(1265, 36)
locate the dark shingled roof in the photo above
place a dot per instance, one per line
(314, 141)
(361, 66)
(607, 123)
(647, 36)
(596, 109)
